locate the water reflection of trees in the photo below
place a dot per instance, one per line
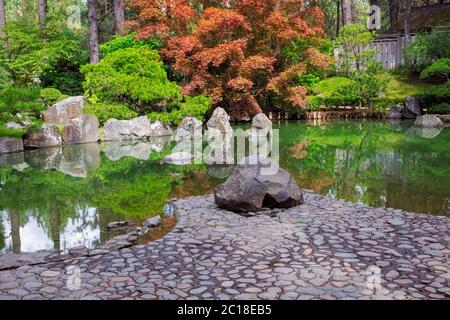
(57, 186)
(374, 164)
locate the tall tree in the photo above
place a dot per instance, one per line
(119, 14)
(338, 17)
(408, 6)
(347, 11)
(2, 16)
(393, 11)
(42, 14)
(94, 53)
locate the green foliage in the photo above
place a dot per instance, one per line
(190, 107)
(437, 72)
(351, 37)
(442, 108)
(126, 42)
(427, 47)
(49, 96)
(30, 60)
(105, 111)
(435, 95)
(367, 84)
(329, 86)
(20, 100)
(133, 76)
(13, 133)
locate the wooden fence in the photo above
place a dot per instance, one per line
(389, 51)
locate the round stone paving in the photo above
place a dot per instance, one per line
(324, 249)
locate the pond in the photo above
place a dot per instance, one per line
(59, 198)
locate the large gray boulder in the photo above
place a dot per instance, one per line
(117, 130)
(137, 128)
(158, 129)
(428, 121)
(261, 126)
(83, 129)
(62, 112)
(10, 145)
(395, 112)
(188, 128)
(412, 108)
(254, 186)
(219, 121)
(140, 127)
(47, 135)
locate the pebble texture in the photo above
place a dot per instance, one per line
(323, 249)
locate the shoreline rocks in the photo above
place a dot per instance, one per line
(83, 129)
(219, 121)
(47, 135)
(428, 121)
(10, 145)
(63, 111)
(134, 129)
(412, 108)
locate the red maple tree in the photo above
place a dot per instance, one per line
(232, 51)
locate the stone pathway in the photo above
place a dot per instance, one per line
(324, 249)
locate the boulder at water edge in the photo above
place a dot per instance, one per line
(412, 108)
(137, 128)
(62, 112)
(428, 121)
(188, 128)
(83, 129)
(158, 129)
(395, 112)
(261, 125)
(219, 121)
(257, 184)
(46, 136)
(10, 145)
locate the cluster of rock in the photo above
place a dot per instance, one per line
(64, 123)
(411, 110)
(414, 110)
(137, 128)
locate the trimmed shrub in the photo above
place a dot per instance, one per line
(437, 72)
(105, 111)
(20, 100)
(49, 96)
(442, 108)
(435, 95)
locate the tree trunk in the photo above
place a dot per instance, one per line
(347, 11)
(393, 11)
(42, 14)
(407, 21)
(338, 17)
(119, 13)
(2, 17)
(94, 54)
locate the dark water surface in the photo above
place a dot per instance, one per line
(65, 197)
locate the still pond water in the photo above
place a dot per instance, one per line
(65, 197)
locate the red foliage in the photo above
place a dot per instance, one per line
(233, 51)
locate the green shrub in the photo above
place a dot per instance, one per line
(105, 111)
(442, 108)
(190, 107)
(435, 95)
(133, 76)
(427, 47)
(330, 86)
(13, 133)
(128, 41)
(20, 100)
(438, 72)
(49, 96)
(383, 103)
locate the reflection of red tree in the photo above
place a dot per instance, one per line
(234, 52)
